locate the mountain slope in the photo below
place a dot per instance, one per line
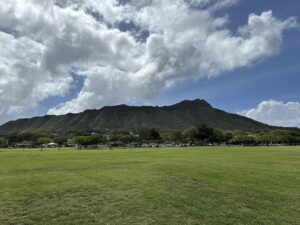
(178, 116)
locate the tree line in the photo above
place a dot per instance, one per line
(194, 135)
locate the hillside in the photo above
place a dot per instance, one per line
(178, 116)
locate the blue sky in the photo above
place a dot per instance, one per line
(274, 78)
(151, 52)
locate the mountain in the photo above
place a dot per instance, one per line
(178, 116)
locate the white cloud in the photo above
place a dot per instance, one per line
(52, 38)
(21, 83)
(276, 113)
(212, 5)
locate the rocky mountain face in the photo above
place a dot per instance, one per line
(179, 116)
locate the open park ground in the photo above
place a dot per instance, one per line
(188, 186)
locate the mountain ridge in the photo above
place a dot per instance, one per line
(177, 116)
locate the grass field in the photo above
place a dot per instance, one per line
(159, 186)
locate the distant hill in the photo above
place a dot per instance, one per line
(178, 116)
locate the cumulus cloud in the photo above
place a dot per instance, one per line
(276, 113)
(212, 4)
(21, 83)
(44, 41)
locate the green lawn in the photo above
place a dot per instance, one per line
(159, 186)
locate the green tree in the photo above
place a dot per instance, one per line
(146, 134)
(128, 138)
(244, 140)
(265, 139)
(154, 134)
(95, 139)
(191, 133)
(3, 142)
(60, 140)
(81, 141)
(43, 140)
(218, 136)
(15, 138)
(86, 141)
(205, 133)
(228, 136)
(177, 136)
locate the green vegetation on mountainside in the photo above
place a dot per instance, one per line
(122, 117)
